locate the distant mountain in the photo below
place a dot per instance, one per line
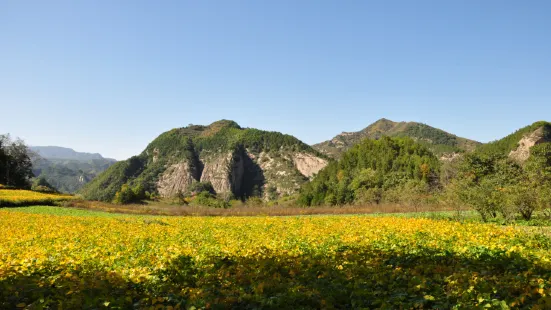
(437, 140)
(518, 144)
(66, 169)
(238, 162)
(57, 152)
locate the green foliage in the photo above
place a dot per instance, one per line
(105, 186)
(492, 184)
(436, 140)
(199, 187)
(128, 195)
(206, 199)
(188, 144)
(15, 163)
(69, 176)
(271, 192)
(380, 165)
(510, 142)
(40, 184)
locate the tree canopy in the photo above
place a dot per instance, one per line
(15, 162)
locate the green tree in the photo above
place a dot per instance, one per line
(15, 162)
(40, 184)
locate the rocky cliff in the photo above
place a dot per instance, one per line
(240, 162)
(522, 152)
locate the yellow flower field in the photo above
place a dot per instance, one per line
(268, 262)
(10, 197)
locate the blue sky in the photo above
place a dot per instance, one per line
(109, 76)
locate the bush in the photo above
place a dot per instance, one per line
(199, 187)
(207, 199)
(127, 195)
(40, 184)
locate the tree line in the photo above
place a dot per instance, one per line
(399, 170)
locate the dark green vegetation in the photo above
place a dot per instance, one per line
(15, 163)
(438, 141)
(374, 171)
(228, 156)
(65, 169)
(501, 180)
(496, 185)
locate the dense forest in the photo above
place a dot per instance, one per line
(489, 179)
(374, 171)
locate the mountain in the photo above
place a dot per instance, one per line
(390, 170)
(518, 144)
(57, 152)
(437, 140)
(66, 169)
(238, 162)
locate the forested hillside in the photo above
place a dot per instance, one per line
(540, 131)
(374, 171)
(237, 162)
(65, 169)
(507, 178)
(438, 141)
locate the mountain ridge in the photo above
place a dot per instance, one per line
(238, 162)
(66, 169)
(59, 152)
(437, 140)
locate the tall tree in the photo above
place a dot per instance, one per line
(15, 162)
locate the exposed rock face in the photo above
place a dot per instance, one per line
(225, 172)
(522, 152)
(155, 155)
(242, 172)
(308, 164)
(176, 178)
(238, 162)
(449, 156)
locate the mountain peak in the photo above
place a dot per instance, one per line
(225, 123)
(435, 139)
(238, 162)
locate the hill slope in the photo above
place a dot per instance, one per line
(518, 144)
(437, 140)
(237, 161)
(370, 171)
(66, 169)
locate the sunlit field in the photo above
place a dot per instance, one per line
(10, 197)
(77, 258)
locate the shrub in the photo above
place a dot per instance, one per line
(128, 195)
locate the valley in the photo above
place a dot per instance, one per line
(220, 216)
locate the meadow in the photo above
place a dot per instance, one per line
(14, 198)
(67, 258)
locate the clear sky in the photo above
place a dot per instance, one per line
(109, 76)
